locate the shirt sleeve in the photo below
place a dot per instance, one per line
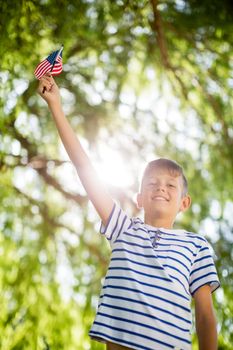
(203, 270)
(117, 223)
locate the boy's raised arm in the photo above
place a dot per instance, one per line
(96, 192)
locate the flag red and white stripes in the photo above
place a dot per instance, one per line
(52, 64)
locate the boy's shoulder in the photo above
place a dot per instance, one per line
(195, 235)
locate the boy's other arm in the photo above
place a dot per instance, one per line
(205, 319)
(96, 192)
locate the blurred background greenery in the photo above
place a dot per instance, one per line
(141, 79)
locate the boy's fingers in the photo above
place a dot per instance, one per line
(45, 85)
(47, 78)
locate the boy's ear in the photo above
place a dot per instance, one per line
(185, 203)
(139, 200)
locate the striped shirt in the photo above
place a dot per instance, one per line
(152, 276)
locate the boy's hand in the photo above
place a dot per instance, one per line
(48, 90)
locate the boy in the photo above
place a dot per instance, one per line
(154, 270)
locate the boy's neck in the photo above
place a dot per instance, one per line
(159, 222)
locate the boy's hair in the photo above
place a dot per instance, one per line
(166, 164)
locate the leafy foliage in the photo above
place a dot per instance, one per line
(145, 79)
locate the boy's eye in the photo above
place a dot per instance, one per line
(151, 184)
(171, 185)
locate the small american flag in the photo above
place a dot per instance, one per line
(52, 64)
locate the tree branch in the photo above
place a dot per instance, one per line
(157, 27)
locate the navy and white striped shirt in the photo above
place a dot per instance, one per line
(153, 273)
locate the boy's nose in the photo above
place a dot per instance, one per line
(160, 188)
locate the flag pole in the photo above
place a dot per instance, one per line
(58, 54)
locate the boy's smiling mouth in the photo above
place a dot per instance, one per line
(159, 198)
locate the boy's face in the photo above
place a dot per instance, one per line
(162, 197)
